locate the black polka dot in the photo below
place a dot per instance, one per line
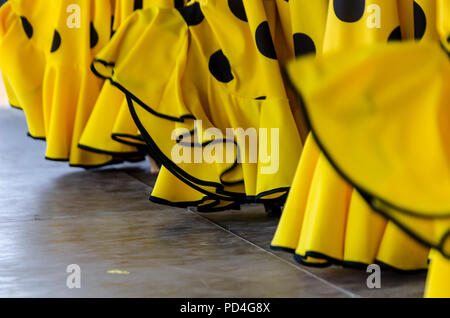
(220, 68)
(264, 41)
(94, 36)
(420, 21)
(238, 9)
(303, 44)
(261, 98)
(56, 42)
(448, 39)
(396, 35)
(179, 4)
(138, 4)
(192, 14)
(27, 27)
(349, 10)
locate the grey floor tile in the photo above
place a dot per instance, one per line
(252, 224)
(53, 216)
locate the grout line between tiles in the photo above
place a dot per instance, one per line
(329, 284)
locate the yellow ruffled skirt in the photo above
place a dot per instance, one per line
(389, 138)
(22, 65)
(325, 220)
(46, 53)
(110, 128)
(200, 79)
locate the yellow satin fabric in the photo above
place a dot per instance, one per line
(325, 220)
(402, 170)
(438, 277)
(387, 133)
(46, 63)
(70, 90)
(22, 63)
(111, 129)
(46, 58)
(179, 86)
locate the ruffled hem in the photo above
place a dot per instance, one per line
(389, 210)
(112, 153)
(154, 150)
(128, 139)
(128, 56)
(324, 260)
(201, 207)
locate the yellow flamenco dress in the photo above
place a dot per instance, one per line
(70, 90)
(46, 52)
(191, 73)
(438, 283)
(325, 221)
(110, 128)
(21, 61)
(388, 132)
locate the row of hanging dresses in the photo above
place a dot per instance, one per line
(325, 220)
(388, 133)
(188, 75)
(46, 54)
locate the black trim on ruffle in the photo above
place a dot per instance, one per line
(445, 49)
(207, 208)
(220, 194)
(182, 205)
(211, 207)
(15, 107)
(132, 157)
(35, 137)
(330, 261)
(90, 167)
(140, 142)
(113, 153)
(369, 197)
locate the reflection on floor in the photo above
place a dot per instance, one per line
(53, 216)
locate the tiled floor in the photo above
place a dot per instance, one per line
(53, 216)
